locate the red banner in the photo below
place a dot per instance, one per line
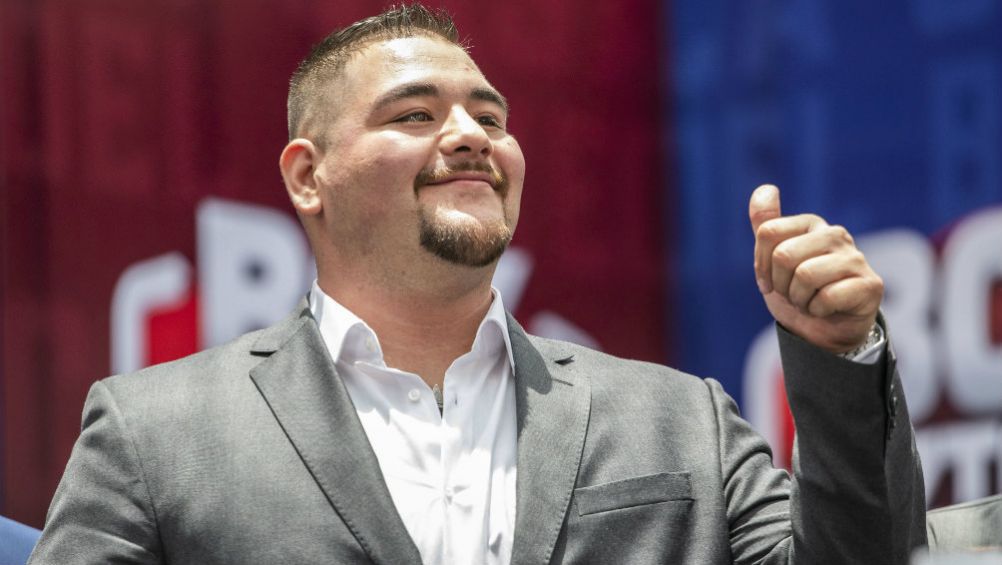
(141, 140)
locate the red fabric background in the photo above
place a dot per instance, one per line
(119, 116)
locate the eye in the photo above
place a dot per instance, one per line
(414, 117)
(488, 120)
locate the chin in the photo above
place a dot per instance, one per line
(463, 239)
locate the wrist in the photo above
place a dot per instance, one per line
(873, 337)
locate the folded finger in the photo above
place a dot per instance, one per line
(790, 252)
(820, 271)
(846, 296)
(772, 233)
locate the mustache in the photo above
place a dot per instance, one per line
(432, 175)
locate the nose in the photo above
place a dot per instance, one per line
(461, 133)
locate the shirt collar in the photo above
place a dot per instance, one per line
(348, 337)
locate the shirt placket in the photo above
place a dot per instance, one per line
(462, 525)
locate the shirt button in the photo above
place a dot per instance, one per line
(370, 344)
(414, 395)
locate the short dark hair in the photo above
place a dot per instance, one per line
(328, 58)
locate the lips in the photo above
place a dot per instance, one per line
(470, 176)
(472, 171)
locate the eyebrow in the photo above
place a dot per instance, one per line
(418, 89)
(490, 95)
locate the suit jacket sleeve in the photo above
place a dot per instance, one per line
(857, 495)
(102, 511)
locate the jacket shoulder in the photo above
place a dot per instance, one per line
(222, 367)
(204, 361)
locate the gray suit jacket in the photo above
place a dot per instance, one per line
(252, 453)
(970, 526)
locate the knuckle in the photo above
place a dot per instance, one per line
(877, 284)
(823, 295)
(805, 274)
(821, 303)
(816, 220)
(841, 234)
(783, 257)
(857, 260)
(768, 231)
(832, 293)
(819, 307)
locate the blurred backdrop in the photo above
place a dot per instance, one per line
(143, 216)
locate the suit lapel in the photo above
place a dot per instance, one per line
(310, 402)
(552, 418)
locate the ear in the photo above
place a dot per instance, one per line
(298, 163)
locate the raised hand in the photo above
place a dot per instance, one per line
(814, 280)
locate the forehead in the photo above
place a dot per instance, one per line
(385, 64)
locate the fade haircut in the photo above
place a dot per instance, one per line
(327, 59)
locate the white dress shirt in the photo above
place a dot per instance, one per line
(451, 476)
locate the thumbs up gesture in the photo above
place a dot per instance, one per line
(814, 280)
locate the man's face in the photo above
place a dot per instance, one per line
(418, 158)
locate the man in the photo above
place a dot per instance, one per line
(400, 415)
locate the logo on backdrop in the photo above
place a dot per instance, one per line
(944, 312)
(253, 266)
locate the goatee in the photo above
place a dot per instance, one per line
(470, 243)
(465, 241)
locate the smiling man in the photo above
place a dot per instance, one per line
(400, 415)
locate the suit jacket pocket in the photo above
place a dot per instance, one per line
(638, 491)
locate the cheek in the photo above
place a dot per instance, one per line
(369, 191)
(509, 157)
(512, 162)
(513, 205)
(386, 163)
(377, 172)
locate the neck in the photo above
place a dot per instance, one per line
(422, 328)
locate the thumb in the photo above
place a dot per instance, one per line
(763, 206)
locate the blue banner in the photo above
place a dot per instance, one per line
(880, 116)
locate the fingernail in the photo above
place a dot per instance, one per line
(763, 286)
